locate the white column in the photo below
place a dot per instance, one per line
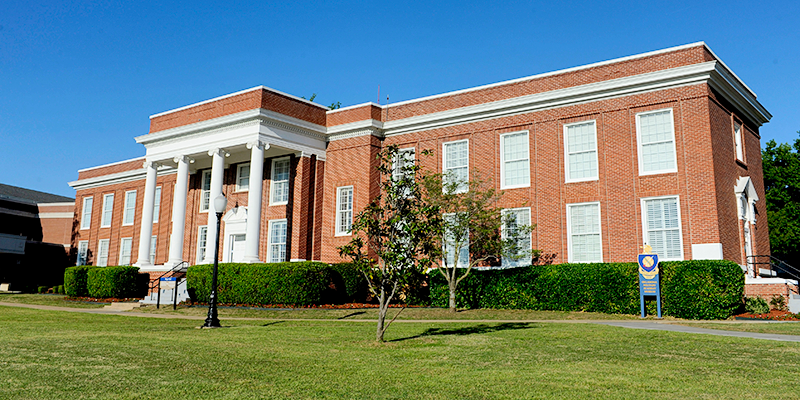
(179, 212)
(252, 238)
(217, 168)
(148, 203)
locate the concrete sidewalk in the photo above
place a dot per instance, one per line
(668, 326)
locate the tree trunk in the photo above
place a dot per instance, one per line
(382, 308)
(452, 285)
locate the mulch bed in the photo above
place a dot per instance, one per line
(772, 315)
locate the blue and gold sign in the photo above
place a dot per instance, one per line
(648, 278)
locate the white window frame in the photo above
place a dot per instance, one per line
(102, 259)
(339, 229)
(129, 210)
(86, 212)
(738, 141)
(205, 193)
(273, 182)
(122, 255)
(508, 263)
(456, 257)
(567, 153)
(270, 234)
(202, 243)
(444, 163)
(106, 222)
(408, 154)
(239, 177)
(156, 204)
(639, 143)
(503, 159)
(646, 236)
(153, 248)
(83, 253)
(570, 252)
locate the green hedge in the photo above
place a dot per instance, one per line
(290, 283)
(701, 289)
(76, 280)
(117, 282)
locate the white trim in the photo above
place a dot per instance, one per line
(567, 175)
(639, 143)
(51, 215)
(570, 255)
(239, 177)
(198, 258)
(129, 207)
(100, 253)
(338, 230)
(444, 162)
(119, 177)
(122, 249)
(103, 222)
(203, 173)
(367, 104)
(646, 237)
(111, 164)
(503, 213)
(82, 261)
(55, 204)
(413, 159)
(738, 141)
(88, 224)
(503, 159)
(157, 204)
(272, 181)
(153, 248)
(269, 238)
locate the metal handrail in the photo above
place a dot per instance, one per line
(775, 263)
(181, 268)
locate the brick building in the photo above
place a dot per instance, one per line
(660, 148)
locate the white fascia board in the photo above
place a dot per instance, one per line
(369, 103)
(659, 80)
(119, 177)
(724, 82)
(62, 204)
(353, 129)
(57, 215)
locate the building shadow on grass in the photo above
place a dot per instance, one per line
(470, 330)
(273, 323)
(352, 314)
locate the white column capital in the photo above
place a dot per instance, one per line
(185, 159)
(151, 164)
(259, 144)
(220, 151)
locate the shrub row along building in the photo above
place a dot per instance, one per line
(660, 148)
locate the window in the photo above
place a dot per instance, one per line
(125, 251)
(737, 137)
(584, 236)
(157, 204)
(515, 166)
(102, 252)
(108, 210)
(130, 208)
(453, 240)
(205, 190)
(243, 177)
(153, 247)
(405, 157)
(202, 235)
(83, 253)
(580, 146)
(662, 227)
(455, 162)
(656, 142)
(344, 210)
(280, 181)
(277, 241)
(513, 220)
(86, 214)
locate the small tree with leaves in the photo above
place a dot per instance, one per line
(394, 236)
(475, 231)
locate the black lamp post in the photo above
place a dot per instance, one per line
(212, 321)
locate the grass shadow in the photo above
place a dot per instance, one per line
(470, 330)
(352, 314)
(272, 323)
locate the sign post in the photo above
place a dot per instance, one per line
(648, 278)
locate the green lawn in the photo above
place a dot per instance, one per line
(783, 328)
(47, 300)
(59, 355)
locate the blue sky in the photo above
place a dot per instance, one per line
(79, 80)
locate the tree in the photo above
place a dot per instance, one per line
(394, 236)
(475, 231)
(781, 164)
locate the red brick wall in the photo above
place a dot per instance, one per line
(365, 112)
(56, 230)
(766, 291)
(112, 169)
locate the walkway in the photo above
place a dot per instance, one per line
(649, 325)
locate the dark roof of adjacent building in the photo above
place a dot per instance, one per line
(34, 196)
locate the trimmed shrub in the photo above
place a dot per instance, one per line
(700, 289)
(41, 289)
(354, 281)
(290, 283)
(756, 305)
(76, 280)
(60, 289)
(117, 282)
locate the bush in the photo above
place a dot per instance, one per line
(756, 305)
(41, 289)
(689, 289)
(115, 282)
(60, 289)
(290, 283)
(778, 302)
(354, 281)
(76, 280)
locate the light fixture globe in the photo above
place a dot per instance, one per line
(220, 203)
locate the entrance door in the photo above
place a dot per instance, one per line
(237, 247)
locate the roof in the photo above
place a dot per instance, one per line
(32, 196)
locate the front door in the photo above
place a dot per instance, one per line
(237, 247)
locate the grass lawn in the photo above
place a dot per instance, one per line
(57, 300)
(60, 355)
(783, 328)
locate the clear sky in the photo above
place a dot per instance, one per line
(79, 79)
